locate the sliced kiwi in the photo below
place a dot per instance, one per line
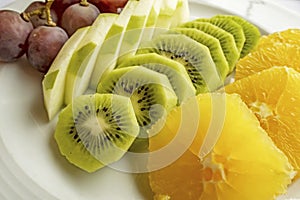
(229, 26)
(96, 130)
(251, 32)
(226, 40)
(194, 56)
(150, 92)
(176, 73)
(213, 45)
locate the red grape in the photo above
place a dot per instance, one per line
(44, 43)
(77, 16)
(61, 5)
(40, 19)
(14, 31)
(109, 6)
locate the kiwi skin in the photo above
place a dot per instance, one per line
(83, 142)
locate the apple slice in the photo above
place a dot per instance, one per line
(182, 13)
(165, 16)
(109, 51)
(54, 81)
(135, 28)
(80, 58)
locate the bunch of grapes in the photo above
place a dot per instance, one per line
(42, 28)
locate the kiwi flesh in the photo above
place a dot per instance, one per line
(151, 95)
(176, 73)
(229, 26)
(226, 40)
(251, 32)
(213, 45)
(96, 130)
(194, 56)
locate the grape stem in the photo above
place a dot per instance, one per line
(84, 3)
(43, 13)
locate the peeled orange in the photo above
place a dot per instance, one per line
(289, 36)
(274, 96)
(243, 162)
(272, 54)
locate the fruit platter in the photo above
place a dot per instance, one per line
(149, 99)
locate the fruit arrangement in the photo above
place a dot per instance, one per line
(144, 79)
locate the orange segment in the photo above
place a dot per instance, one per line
(243, 164)
(274, 96)
(290, 36)
(267, 56)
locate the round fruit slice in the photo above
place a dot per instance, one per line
(275, 54)
(243, 164)
(96, 130)
(274, 96)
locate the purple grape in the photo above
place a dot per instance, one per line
(44, 43)
(77, 16)
(109, 6)
(40, 19)
(14, 31)
(61, 5)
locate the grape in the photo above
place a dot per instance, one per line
(61, 5)
(14, 31)
(109, 6)
(40, 19)
(77, 16)
(44, 43)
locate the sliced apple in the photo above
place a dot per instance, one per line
(167, 10)
(109, 51)
(81, 57)
(135, 28)
(182, 13)
(54, 81)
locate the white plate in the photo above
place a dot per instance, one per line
(30, 164)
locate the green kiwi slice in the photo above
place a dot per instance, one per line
(176, 73)
(226, 40)
(150, 92)
(194, 56)
(229, 26)
(96, 130)
(213, 45)
(251, 32)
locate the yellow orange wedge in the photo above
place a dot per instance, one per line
(274, 96)
(289, 36)
(243, 164)
(271, 54)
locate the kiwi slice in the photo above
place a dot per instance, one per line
(176, 73)
(213, 45)
(150, 92)
(229, 26)
(227, 42)
(194, 56)
(251, 32)
(96, 130)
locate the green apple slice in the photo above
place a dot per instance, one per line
(165, 16)
(80, 58)
(182, 13)
(54, 81)
(108, 53)
(134, 30)
(151, 22)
